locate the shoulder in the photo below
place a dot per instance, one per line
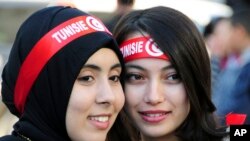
(226, 138)
(245, 73)
(10, 138)
(246, 68)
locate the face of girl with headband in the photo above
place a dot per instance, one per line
(96, 98)
(57, 81)
(156, 99)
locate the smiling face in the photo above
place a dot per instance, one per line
(156, 99)
(96, 98)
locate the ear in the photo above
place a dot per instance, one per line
(240, 31)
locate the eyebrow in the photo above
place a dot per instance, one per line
(118, 65)
(168, 67)
(95, 67)
(135, 67)
(143, 69)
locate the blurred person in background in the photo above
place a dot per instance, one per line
(6, 119)
(62, 3)
(216, 36)
(238, 5)
(232, 93)
(123, 7)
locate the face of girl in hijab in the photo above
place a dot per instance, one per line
(156, 99)
(96, 98)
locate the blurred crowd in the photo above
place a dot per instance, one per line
(228, 42)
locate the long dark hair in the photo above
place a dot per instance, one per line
(178, 37)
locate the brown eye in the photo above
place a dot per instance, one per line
(174, 77)
(86, 80)
(133, 77)
(115, 78)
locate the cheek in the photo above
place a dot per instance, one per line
(133, 95)
(185, 109)
(120, 98)
(178, 96)
(180, 102)
(184, 102)
(81, 98)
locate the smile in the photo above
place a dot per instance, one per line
(100, 118)
(153, 117)
(101, 122)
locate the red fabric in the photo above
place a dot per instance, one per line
(235, 119)
(142, 47)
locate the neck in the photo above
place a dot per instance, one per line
(123, 9)
(161, 138)
(244, 43)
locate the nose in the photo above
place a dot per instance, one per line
(105, 94)
(153, 93)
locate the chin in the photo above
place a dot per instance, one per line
(93, 136)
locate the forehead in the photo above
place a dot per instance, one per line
(136, 35)
(222, 27)
(150, 64)
(109, 55)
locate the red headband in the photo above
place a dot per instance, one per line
(141, 47)
(46, 47)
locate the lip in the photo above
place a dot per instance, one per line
(154, 116)
(101, 121)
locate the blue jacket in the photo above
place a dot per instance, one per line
(231, 94)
